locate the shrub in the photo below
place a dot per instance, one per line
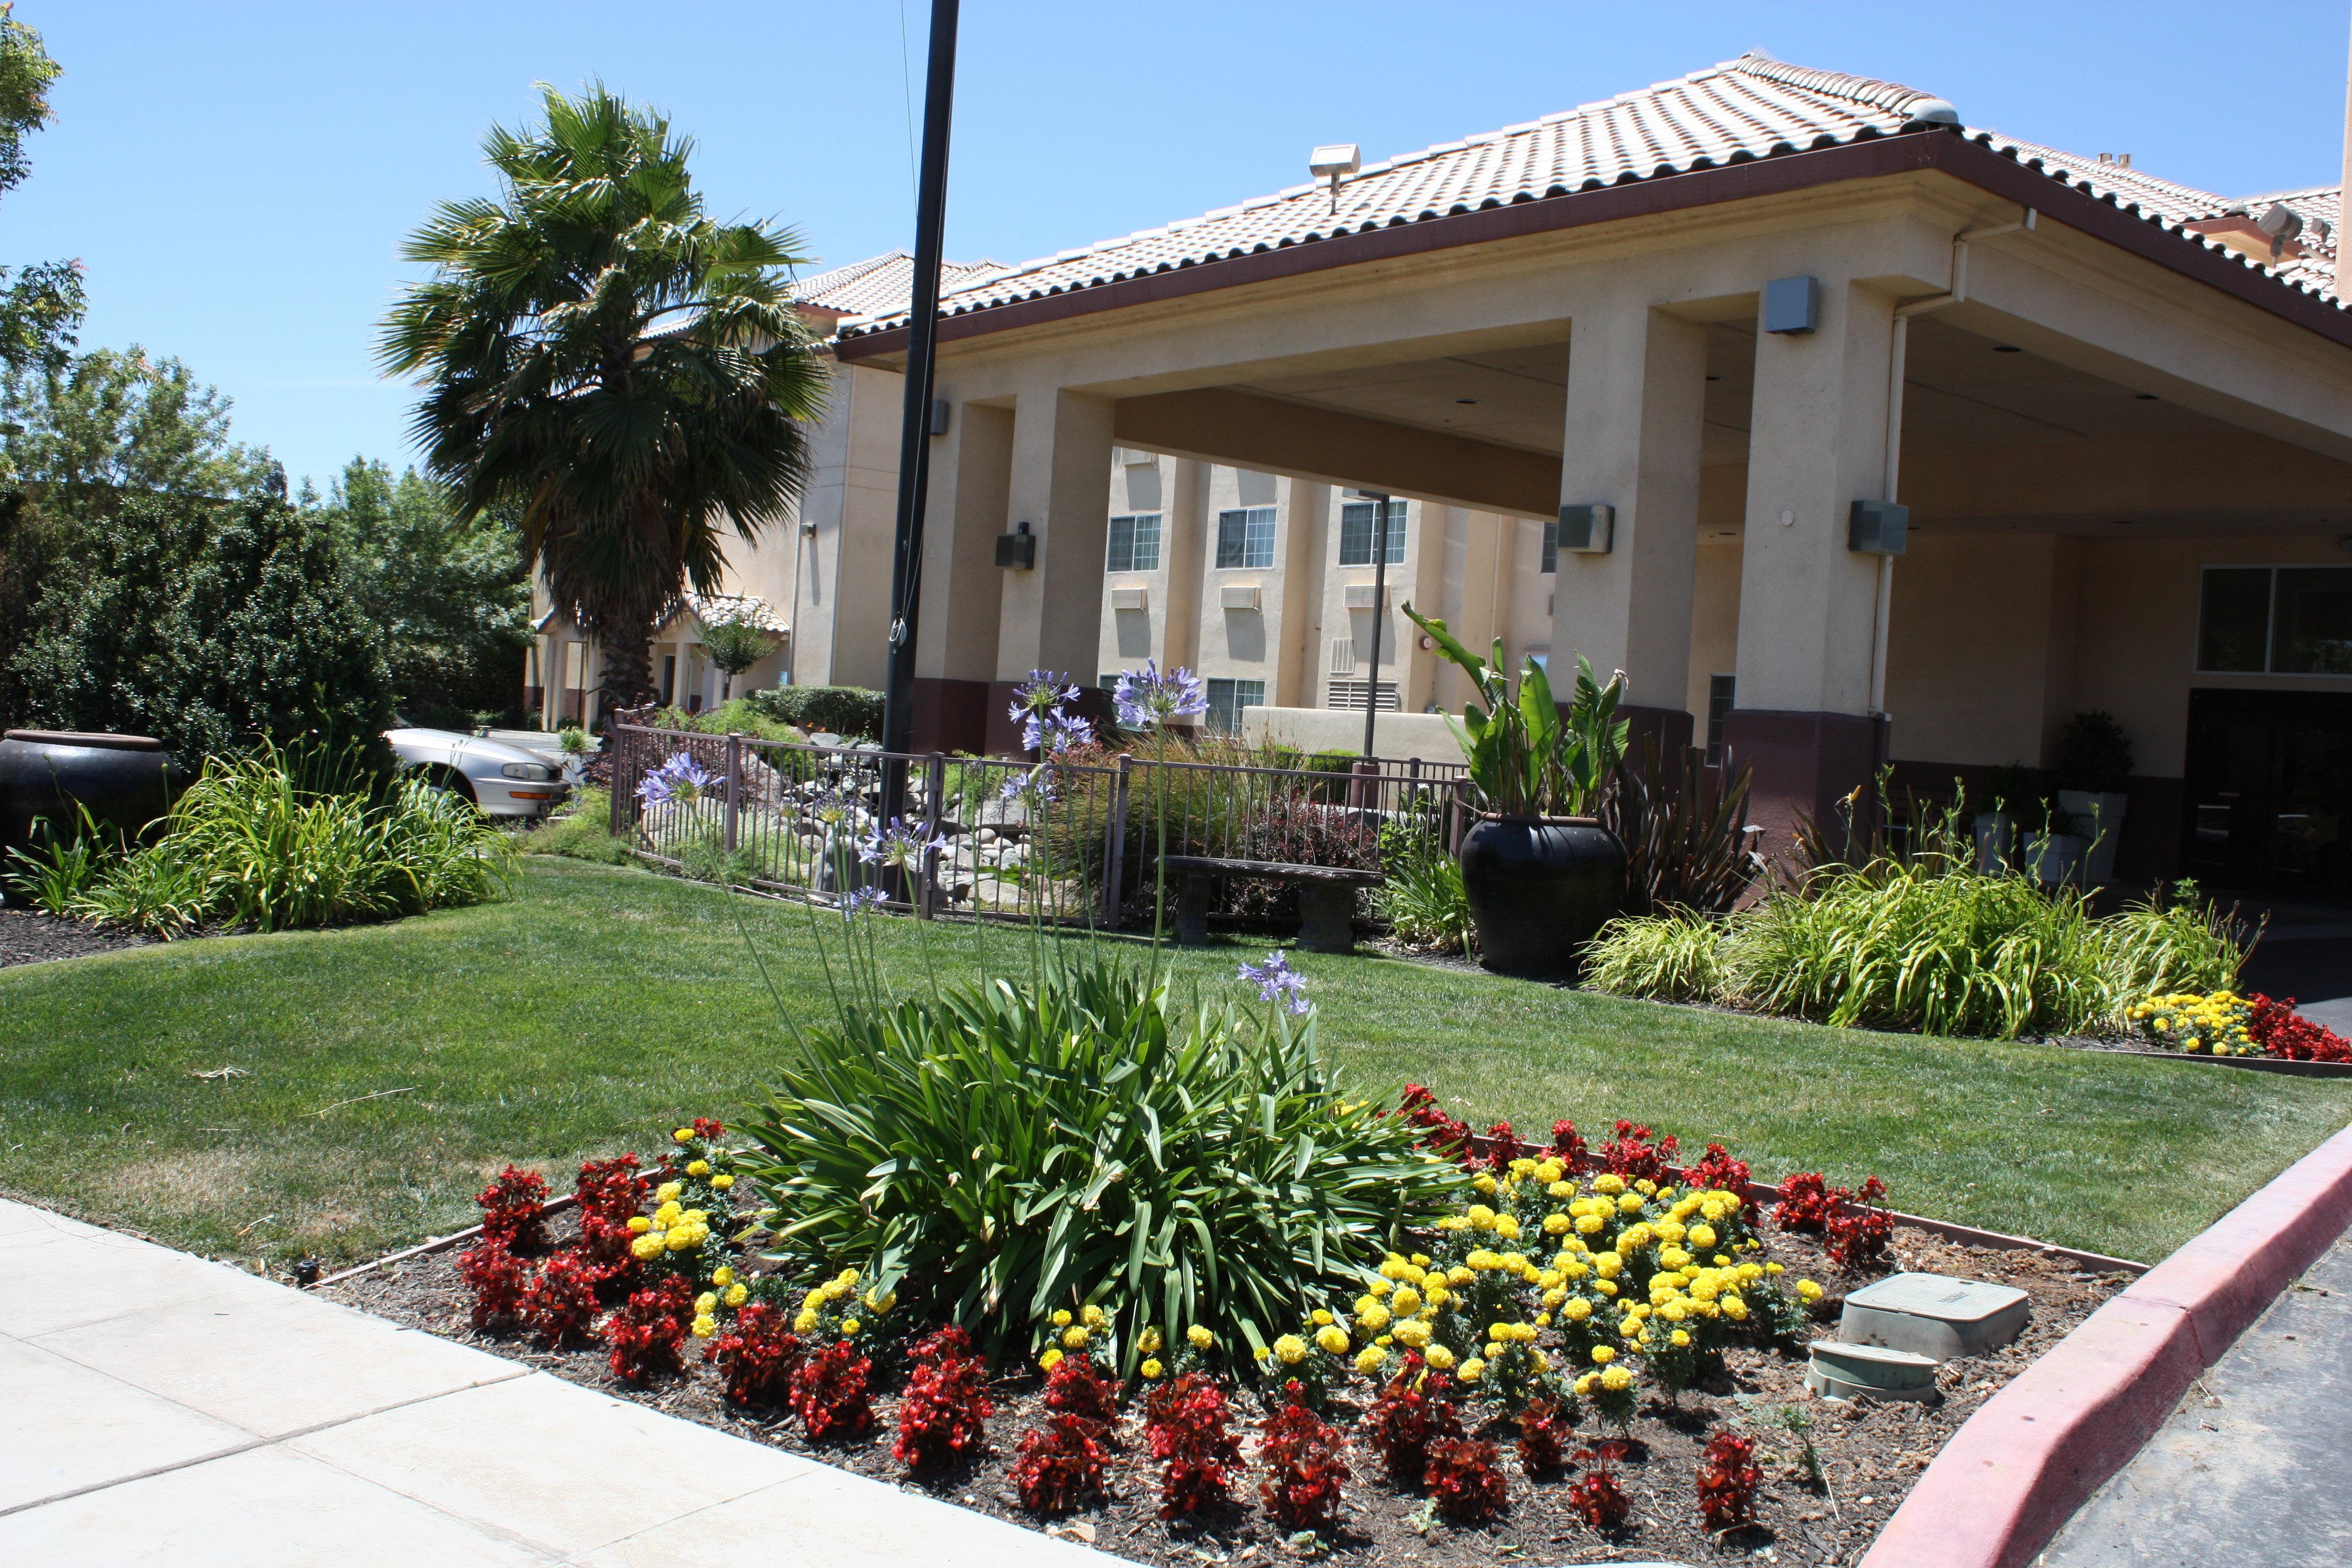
(559, 1300)
(1669, 957)
(1858, 1230)
(1464, 1481)
(1631, 1154)
(1445, 1134)
(1060, 1465)
(1305, 1468)
(847, 711)
(2175, 942)
(1566, 1145)
(1806, 1204)
(496, 1277)
(611, 1192)
(647, 1331)
(1186, 1424)
(757, 1357)
(513, 1210)
(1684, 828)
(1236, 1158)
(2282, 1032)
(583, 831)
(2094, 753)
(1727, 1481)
(1421, 895)
(1076, 1386)
(830, 1394)
(1597, 1498)
(1409, 1415)
(944, 1414)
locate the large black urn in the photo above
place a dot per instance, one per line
(1540, 887)
(123, 780)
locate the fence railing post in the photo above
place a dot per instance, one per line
(624, 776)
(1115, 850)
(935, 784)
(734, 788)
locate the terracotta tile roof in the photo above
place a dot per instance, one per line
(1740, 110)
(709, 609)
(882, 284)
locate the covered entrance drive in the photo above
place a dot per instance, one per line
(1694, 369)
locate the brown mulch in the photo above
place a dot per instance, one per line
(27, 936)
(1870, 1452)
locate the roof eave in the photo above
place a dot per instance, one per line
(1950, 152)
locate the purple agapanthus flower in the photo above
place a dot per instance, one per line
(1044, 691)
(1146, 698)
(1277, 981)
(680, 780)
(1052, 733)
(860, 900)
(1032, 789)
(899, 844)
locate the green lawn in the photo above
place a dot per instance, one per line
(601, 1004)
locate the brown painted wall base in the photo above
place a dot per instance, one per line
(950, 715)
(1805, 764)
(1672, 726)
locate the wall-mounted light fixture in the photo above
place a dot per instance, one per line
(1877, 528)
(1587, 530)
(1017, 551)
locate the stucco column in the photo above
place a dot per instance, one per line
(1052, 615)
(1636, 408)
(955, 651)
(1816, 444)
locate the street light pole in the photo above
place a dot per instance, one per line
(913, 432)
(1380, 608)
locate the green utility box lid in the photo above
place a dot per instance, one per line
(1841, 1371)
(1934, 1315)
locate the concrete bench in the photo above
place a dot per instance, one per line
(1327, 897)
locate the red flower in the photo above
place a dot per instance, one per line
(647, 1331)
(1631, 1155)
(496, 1277)
(757, 1355)
(2284, 1033)
(1186, 1423)
(1718, 1171)
(945, 1413)
(1727, 1483)
(1543, 1432)
(611, 1192)
(560, 1301)
(1597, 1497)
(1060, 1465)
(1076, 1387)
(1410, 1413)
(513, 1209)
(1441, 1133)
(1503, 1146)
(829, 1393)
(1860, 1231)
(1568, 1145)
(1305, 1470)
(1464, 1481)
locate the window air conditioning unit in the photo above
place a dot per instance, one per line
(1137, 597)
(1237, 596)
(1359, 597)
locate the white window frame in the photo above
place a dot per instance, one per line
(1135, 534)
(1225, 718)
(1249, 521)
(1396, 530)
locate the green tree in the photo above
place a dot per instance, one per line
(735, 644)
(116, 420)
(205, 623)
(448, 597)
(601, 354)
(41, 303)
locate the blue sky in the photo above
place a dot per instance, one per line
(238, 176)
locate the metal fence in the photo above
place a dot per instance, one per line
(1067, 842)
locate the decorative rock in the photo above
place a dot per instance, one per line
(1843, 1371)
(1934, 1315)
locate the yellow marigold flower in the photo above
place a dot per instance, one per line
(723, 1275)
(1291, 1349)
(1152, 1369)
(1606, 1287)
(1373, 1318)
(1584, 1384)
(1472, 1369)
(1608, 1265)
(805, 1322)
(1630, 1202)
(1557, 1223)
(1061, 1319)
(1092, 1316)
(1261, 1352)
(1809, 1291)
(1575, 1308)
(1702, 1237)
(698, 1168)
(1421, 1260)
(1332, 1337)
(1484, 1184)
(1772, 1269)
(1075, 1336)
(1616, 1379)
(846, 1279)
(679, 1240)
(1369, 1359)
(1380, 1286)
(1603, 1355)
(850, 1326)
(1149, 1341)
(1412, 1333)
(705, 1326)
(737, 1294)
(667, 1192)
(1406, 1301)
(1550, 1171)
(706, 1303)
(1506, 1226)
(1200, 1337)
(1459, 1276)
(646, 1247)
(639, 1225)
(1051, 1359)
(1674, 1311)
(1589, 1225)
(1435, 1297)
(683, 1135)
(1318, 1317)
(722, 1182)
(1609, 1181)
(1439, 1357)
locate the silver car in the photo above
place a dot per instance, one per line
(500, 779)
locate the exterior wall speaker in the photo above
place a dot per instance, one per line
(1017, 551)
(1587, 530)
(1879, 528)
(1792, 305)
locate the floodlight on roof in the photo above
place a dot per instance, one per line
(1334, 163)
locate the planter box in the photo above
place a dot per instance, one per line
(1996, 834)
(2102, 813)
(2056, 859)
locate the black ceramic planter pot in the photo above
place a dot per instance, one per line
(1540, 887)
(122, 779)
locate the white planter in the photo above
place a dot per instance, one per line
(1995, 835)
(2055, 857)
(2102, 815)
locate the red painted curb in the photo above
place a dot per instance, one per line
(2018, 1468)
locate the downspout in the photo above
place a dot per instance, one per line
(1898, 347)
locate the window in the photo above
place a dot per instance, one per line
(1551, 546)
(1226, 701)
(1719, 688)
(1135, 542)
(1245, 537)
(670, 678)
(1355, 533)
(2277, 620)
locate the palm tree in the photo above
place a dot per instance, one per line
(596, 350)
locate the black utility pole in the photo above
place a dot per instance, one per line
(914, 436)
(1380, 608)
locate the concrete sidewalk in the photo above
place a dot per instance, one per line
(158, 1409)
(2249, 1469)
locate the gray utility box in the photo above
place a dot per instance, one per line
(1843, 1371)
(1934, 1315)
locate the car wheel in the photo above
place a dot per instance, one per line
(453, 781)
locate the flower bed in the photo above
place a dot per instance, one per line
(2223, 1023)
(1593, 1353)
